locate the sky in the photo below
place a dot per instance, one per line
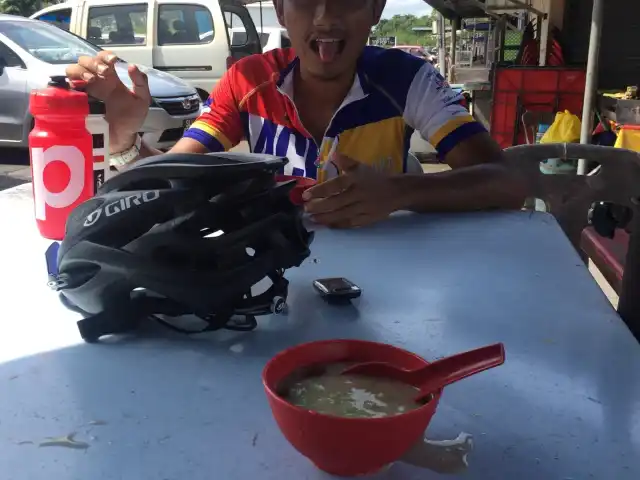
(415, 7)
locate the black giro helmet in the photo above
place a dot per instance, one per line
(182, 234)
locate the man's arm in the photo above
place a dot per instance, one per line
(184, 145)
(479, 178)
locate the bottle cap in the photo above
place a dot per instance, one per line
(58, 98)
(59, 81)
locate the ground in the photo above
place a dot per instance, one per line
(14, 167)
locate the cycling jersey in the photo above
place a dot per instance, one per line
(393, 94)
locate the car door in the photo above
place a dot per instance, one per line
(13, 95)
(122, 28)
(238, 17)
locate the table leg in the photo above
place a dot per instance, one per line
(472, 106)
(629, 304)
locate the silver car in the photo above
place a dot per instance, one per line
(31, 51)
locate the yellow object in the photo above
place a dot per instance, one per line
(564, 129)
(617, 95)
(628, 138)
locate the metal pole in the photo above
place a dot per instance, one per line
(486, 44)
(591, 86)
(261, 22)
(473, 41)
(454, 44)
(442, 53)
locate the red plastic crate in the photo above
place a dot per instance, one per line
(520, 89)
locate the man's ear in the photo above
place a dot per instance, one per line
(378, 7)
(279, 6)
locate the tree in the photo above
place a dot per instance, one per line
(401, 27)
(23, 7)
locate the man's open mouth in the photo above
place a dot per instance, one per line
(328, 49)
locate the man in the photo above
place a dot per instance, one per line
(341, 112)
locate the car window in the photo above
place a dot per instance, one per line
(59, 18)
(239, 38)
(269, 17)
(118, 24)
(46, 42)
(264, 39)
(182, 24)
(238, 33)
(10, 57)
(284, 41)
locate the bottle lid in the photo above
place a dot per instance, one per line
(58, 98)
(59, 81)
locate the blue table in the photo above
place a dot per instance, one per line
(566, 405)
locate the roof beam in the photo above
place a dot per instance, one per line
(483, 6)
(529, 8)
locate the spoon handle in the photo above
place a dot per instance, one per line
(457, 367)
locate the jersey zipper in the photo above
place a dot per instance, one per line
(317, 163)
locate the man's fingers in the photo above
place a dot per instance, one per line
(78, 72)
(100, 65)
(140, 83)
(357, 221)
(330, 187)
(107, 57)
(332, 203)
(344, 216)
(344, 163)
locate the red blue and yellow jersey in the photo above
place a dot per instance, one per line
(393, 94)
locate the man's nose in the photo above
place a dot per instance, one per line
(327, 13)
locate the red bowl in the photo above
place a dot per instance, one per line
(345, 446)
(303, 184)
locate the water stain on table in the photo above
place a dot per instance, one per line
(442, 456)
(67, 441)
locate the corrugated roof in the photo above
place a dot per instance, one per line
(449, 8)
(458, 8)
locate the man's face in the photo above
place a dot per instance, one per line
(328, 35)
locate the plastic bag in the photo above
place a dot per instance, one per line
(629, 138)
(565, 129)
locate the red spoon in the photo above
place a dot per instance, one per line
(438, 374)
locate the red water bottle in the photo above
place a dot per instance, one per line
(61, 153)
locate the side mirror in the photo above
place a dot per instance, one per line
(3, 64)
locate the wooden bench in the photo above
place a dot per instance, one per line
(608, 255)
(569, 198)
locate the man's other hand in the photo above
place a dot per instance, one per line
(359, 196)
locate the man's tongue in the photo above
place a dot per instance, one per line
(328, 51)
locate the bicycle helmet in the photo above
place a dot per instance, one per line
(182, 234)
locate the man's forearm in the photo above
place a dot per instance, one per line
(120, 143)
(479, 187)
(184, 145)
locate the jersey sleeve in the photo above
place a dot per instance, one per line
(435, 110)
(219, 127)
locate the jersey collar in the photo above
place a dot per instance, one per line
(359, 90)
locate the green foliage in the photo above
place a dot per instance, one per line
(24, 7)
(401, 26)
(18, 7)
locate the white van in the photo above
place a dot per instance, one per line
(188, 38)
